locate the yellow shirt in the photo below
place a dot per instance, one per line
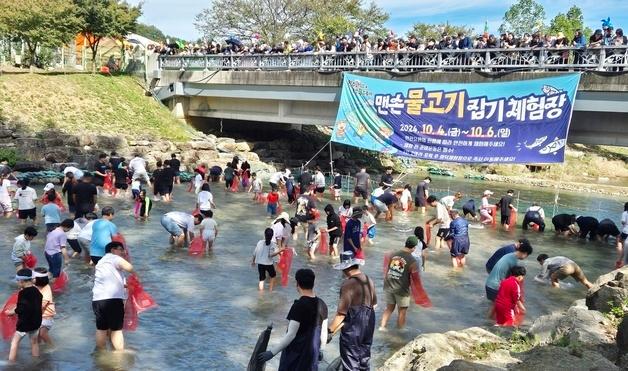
(47, 303)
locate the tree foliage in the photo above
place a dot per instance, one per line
(523, 16)
(570, 22)
(426, 31)
(105, 18)
(277, 20)
(47, 23)
(150, 31)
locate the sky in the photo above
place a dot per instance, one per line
(177, 17)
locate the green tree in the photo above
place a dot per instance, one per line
(150, 31)
(38, 23)
(569, 23)
(427, 31)
(105, 18)
(277, 20)
(523, 16)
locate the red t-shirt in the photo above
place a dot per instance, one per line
(273, 198)
(506, 301)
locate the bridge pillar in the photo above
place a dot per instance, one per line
(178, 107)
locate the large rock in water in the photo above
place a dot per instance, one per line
(433, 351)
(611, 287)
(551, 358)
(622, 337)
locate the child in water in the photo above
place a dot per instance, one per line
(22, 247)
(337, 186)
(47, 304)
(256, 186)
(406, 197)
(29, 315)
(509, 300)
(273, 202)
(312, 237)
(143, 206)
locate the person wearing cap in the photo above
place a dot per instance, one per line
(449, 201)
(458, 239)
(102, 232)
(29, 314)
(422, 193)
(397, 282)
(506, 207)
(442, 220)
(485, 210)
(355, 315)
(108, 295)
(279, 226)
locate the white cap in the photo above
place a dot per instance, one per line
(488, 193)
(48, 187)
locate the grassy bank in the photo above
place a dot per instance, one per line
(93, 104)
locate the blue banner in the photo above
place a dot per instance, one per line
(506, 122)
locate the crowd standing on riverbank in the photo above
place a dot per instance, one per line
(98, 241)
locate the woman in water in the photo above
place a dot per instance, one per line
(263, 255)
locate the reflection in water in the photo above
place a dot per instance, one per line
(210, 312)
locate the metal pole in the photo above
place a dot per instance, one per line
(331, 161)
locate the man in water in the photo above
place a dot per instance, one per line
(490, 263)
(387, 177)
(558, 268)
(85, 197)
(175, 164)
(306, 208)
(305, 181)
(442, 220)
(180, 226)
(352, 235)
(583, 226)
(100, 170)
(355, 316)
(385, 203)
(362, 185)
(397, 283)
(501, 270)
(469, 209)
(138, 167)
(449, 201)
(102, 232)
(422, 193)
(277, 179)
(535, 214)
(302, 345)
(459, 239)
(506, 206)
(562, 222)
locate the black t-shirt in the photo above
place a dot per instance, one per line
(121, 175)
(101, 168)
(67, 190)
(338, 181)
(388, 198)
(607, 227)
(302, 353)
(84, 193)
(28, 309)
(469, 205)
(166, 176)
(562, 221)
(156, 174)
(115, 162)
(421, 188)
(504, 204)
(306, 179)
(387, 178)
(175, 164)
(585, 223)
(333, 220)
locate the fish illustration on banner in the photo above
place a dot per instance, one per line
(503, 122)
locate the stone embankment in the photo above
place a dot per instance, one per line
(589, 335)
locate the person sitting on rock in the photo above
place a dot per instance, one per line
(558, 268)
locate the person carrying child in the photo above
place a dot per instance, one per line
(29, 314)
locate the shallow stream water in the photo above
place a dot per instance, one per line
(210, 312)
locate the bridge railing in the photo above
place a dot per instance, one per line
(601, 59)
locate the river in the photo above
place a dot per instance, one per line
(210, 312)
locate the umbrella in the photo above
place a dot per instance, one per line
(260, 347)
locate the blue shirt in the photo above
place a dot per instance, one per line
(102, 231)
(498, 255)
(51, 213)
(459, 227)
(501, 270)
(353, 232)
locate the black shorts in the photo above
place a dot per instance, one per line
(74, 244)
(360, 192)
(442, 232)
(25, 214)
(98, 182)
(505, 219)
(320, 190)
(262, 269)
(333, 240)
(109, 314)
(420, 201)
(123, 186)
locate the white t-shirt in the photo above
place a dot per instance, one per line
(277, 231)
(209, 228)
(485, 203)
(138, 165)
(538, 209)
(205, 200)
(448, 201)
(443, 214)
(377, 192)
(406, 196)
(319, 180)
(4, 189)
(73, 233)
(262, 252)
(108, 279)
(136, 185)
(624, 222)
(86, 231)
(198, 181)
(275, 177)
(78, 174)
(345, 212)
(257, 185)
(183, 220)
(25, 198)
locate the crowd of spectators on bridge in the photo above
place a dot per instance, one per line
(361, 42)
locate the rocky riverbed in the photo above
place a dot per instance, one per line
(589, 335)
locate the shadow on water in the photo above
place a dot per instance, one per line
(210, 312)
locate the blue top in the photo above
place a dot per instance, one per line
(51, 213)
(353, 231)
(459, 227)
(501, 270)
(498, 255)
(102, 231)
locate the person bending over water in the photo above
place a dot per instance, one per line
(558, 268)
(180, 226)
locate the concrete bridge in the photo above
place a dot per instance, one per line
(310, 97)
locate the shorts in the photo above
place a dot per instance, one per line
(460, 246)
(381, 207)
(333, 240)
(491, 294)
(505, 219)
(25, 214)
(402, 301)
(360, 192)
(95, 259)
(109, 314)
(55, 263)
(442, 232)
(420, 201)
(262, 269)
(123, 186)
(5, 206)
(47, 323)
(271, 209)
(177, 173)
(31, 334)
(320, 190)
(571, 269)
(171, 226)
(51, 226)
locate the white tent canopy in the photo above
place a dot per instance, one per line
(140, 40)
